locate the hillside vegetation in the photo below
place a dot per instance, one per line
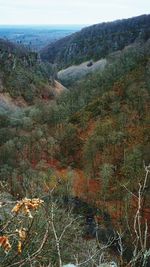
(22, 73)
(97, 41)
(81, 160)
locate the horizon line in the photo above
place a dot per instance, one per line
(71, 24)
(53, 24)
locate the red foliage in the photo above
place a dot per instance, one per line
(53, 163)
(85, 188)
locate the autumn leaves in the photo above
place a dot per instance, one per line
(25, 207)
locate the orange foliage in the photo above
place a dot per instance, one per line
(90, 128)
(4, 242)
(26, 205)
(22, 233)
(85, 188)
(79, 184)
(136, 134)
(19, 247)
(53, 163)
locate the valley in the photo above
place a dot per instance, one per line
(74, 148)
(36, 37)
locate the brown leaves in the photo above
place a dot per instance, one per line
(19, 247)
(26, 205)
(22, 233)
(4, 242)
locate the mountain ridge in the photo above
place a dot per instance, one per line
(97, 41)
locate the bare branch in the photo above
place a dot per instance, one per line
(35, 254)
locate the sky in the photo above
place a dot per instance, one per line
(83, 12)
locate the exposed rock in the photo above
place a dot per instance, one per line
(90, 63)
(74, 73)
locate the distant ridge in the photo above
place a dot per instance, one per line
(97, 41)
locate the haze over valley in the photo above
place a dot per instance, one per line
(36, 37)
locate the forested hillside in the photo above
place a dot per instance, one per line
(22, 74)
(97, 41)
(81, 159)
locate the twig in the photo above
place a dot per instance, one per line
(35, 254)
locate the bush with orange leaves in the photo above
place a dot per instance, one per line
(4, 243)
(26, 205)
(46, 235)
(13, 240)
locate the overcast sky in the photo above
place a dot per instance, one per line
(69, 11)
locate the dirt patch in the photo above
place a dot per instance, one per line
(7, 100)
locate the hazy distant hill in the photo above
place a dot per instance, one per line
(36, 37)
(97, 41)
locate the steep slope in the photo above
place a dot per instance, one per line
(90, 143)
(97, 41)
(76, 72)
(7, 46)
(23, 75)
(110, 112)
